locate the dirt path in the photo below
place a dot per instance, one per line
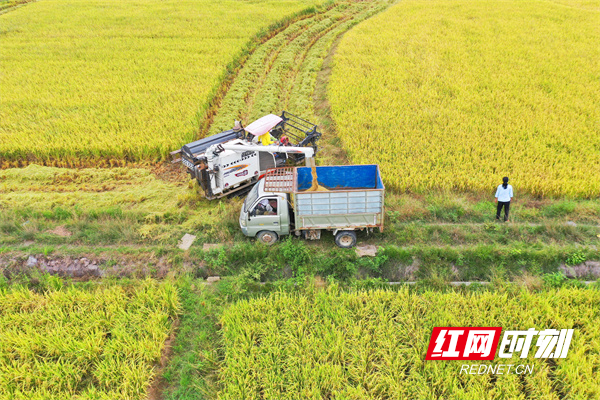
(159, 384)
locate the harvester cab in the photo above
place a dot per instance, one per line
(232, 161)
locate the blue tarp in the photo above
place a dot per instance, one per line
(342, 177)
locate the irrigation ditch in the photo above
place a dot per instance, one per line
(418, 264)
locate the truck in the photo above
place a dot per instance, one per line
(232, 161)
(306, 201)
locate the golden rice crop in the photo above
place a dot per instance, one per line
(372, 345)
(124, 80)
(71, 343)
(456, 95)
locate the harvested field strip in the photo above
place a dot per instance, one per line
(372, 344)
(9, 5)
(98, 342)
(281, 73)
(233, 68)
(134, 206)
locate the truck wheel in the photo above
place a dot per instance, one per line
(267, 237)
(345, 239)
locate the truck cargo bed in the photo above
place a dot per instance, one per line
(354, 199)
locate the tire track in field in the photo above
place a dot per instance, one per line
(10, 5)
(281, 74)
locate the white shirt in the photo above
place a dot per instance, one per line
(266, 205)
(504, 194)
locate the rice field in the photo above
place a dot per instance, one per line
(434, 91)
(456, 95)
(372, 345)
(99, 83)
(100, 342)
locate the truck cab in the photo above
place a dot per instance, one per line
(265, 215)
(306, 201)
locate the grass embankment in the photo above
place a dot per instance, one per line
(192, 373)
(133, 86)
(458, 94)
(130, 216)
(300, 341)
(91, 341)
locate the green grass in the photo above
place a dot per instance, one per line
(122, 81)
(296, 259)
(192, 372)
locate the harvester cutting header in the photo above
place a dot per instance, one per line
(234, 160)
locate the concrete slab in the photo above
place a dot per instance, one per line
(367, 250)
(186, 241)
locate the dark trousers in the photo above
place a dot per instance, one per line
(506, 205)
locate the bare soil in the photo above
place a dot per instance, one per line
(159, 384)
(85, 267)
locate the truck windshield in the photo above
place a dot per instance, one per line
(251, 198)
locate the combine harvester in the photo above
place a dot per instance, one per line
(231, 162)
(306, 201)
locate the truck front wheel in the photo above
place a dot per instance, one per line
(345, 239)
(267, 237)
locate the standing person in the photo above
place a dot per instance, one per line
(504, 195)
